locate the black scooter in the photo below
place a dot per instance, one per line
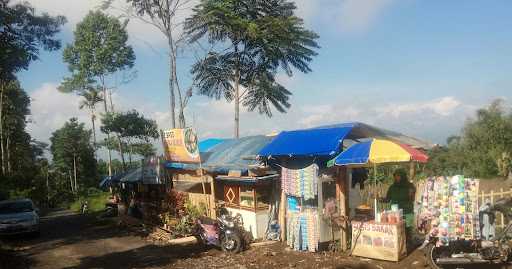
(479, 253)
(225, 232)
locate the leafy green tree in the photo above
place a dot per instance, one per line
(129, 127)
(99, 50)
(483, 148)
(22, 35)
(15, 141)
(73, 154)
(257, 38)
(486, 138)
(143, 149)
(91, 97)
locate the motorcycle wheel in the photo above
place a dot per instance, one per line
(432, 254)
(231, 243)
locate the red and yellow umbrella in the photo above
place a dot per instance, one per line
(378, 151)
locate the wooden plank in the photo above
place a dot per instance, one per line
(343, 195)
(502, 224)
(212, 190)
(282, 215)
(263, 243)
(183, 241)
(412, 170)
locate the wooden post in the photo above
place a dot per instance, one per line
(502, 217)
(205, 197)
(282, 215)
(412, 170)
(212, 190)
(343, 196)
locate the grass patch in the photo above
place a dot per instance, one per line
(96, 202)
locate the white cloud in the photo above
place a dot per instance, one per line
(351, 16)
(51, 109)
(431, 119)
(443, 107)
(140, 33)
(360, 15)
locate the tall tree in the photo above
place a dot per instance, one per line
(15, 110)
(257, 38)
(91, 97)
(129, 127)
(166, 16)
(482, 149)
(22, 35)
(73, 153)
(99, 50)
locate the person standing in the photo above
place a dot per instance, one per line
(402, 193)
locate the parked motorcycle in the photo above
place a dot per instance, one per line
(84, 208)
(496, 250)
(225, 232)
(111, 210)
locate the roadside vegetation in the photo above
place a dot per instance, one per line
(482, 149)
(95, 198)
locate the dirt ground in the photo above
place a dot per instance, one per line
(75, 241)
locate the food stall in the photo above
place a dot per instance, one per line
(380, 233)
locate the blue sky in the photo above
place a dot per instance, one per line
(419, 67)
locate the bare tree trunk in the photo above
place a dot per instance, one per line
(71, 181)
(108, 135)
(93, 121)
(130, 152)
(121, 152)
(47, 187)
(171, 80)
(237, 103)
(2, 86)
(111, 102)
(75, 172)
(181, 114)
(8, 155)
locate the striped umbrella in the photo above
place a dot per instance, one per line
(378, 151)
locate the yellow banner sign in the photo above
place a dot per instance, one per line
(180, 145)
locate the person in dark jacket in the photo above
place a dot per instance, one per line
(402, 193)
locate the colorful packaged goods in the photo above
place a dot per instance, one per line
(448, 208)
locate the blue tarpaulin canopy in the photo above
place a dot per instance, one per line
(309, 142)
(229, 154)
(209, 143)
(355, 154)
(326, 141)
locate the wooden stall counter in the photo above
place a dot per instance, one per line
(382, 241)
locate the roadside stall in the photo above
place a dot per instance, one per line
(381, 233)
(302, 156)
(230, 174)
